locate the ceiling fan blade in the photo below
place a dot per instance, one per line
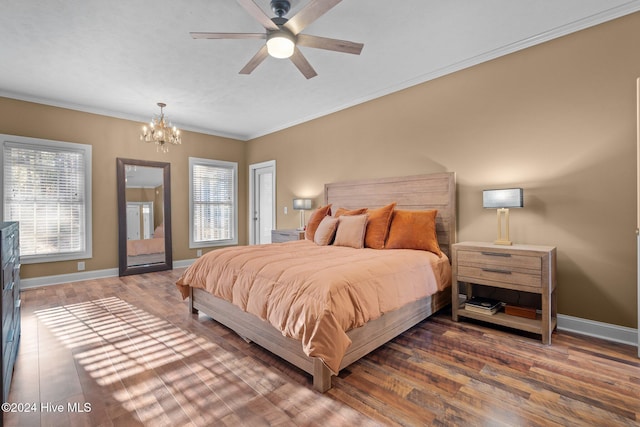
(228, 35)
(257, 59)
(311, 12)
(303, 65)
(330, 44)
(257, 14)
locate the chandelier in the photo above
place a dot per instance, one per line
(160, 132)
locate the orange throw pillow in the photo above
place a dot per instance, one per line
(414, 230)
(343, 211)
(378, 226)
(314, 221)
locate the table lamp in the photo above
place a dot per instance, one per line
(502, 200)
(302, 205)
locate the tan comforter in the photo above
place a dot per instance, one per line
(316, 293)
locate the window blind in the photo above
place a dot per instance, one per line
(44, 189)
(213, 202)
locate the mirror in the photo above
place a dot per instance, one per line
(144, 216)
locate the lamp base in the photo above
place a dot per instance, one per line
(503, 238)
(503, 242)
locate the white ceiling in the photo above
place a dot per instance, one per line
(120, 58)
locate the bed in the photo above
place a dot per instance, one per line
(309, 346)
(147, 251)
(152, 245)
(145, 246)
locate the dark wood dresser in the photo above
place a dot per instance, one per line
(10, 319)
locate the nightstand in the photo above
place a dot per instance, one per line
(279, 236)
(480, 267)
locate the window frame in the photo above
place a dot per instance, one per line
(61, 146)
(195, 161)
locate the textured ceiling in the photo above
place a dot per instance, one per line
(121, 58)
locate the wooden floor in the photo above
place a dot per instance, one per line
(125, 351)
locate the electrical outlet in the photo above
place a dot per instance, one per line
(199, 253)
(286, 211)
(81, 266)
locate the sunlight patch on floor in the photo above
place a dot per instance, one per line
(159, 372)
(128, 351)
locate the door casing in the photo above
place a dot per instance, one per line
(253, 189)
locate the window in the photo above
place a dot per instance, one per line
(213, 203)
(46, 186)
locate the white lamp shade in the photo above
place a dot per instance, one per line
(504, 198)
(302, 204)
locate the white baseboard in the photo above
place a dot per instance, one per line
(37, 282)
(595, 329)
(183, 263)
(578, 325)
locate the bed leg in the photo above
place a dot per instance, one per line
(192, 309)
(245, 339)
(321, 376)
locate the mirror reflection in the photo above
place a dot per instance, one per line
(145, 224)
(144, 216)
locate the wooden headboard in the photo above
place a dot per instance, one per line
(433, 191)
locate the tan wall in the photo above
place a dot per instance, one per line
(112, 138)
(557, 119)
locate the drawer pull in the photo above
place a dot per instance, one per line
(496, 254)
(495, 270)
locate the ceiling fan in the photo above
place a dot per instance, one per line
(283, 35)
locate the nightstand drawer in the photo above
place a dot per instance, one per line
(502, 267)
(496, 274)
(500, 260)
(280, 236)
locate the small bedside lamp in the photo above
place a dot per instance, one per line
(502, 200)
(302, 205)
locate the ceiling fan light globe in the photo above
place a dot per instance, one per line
(280, 46)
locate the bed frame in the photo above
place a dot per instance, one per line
(433, 191)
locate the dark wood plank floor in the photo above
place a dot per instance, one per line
(125, 351)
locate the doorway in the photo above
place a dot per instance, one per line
(262, 202)
(139, 220)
